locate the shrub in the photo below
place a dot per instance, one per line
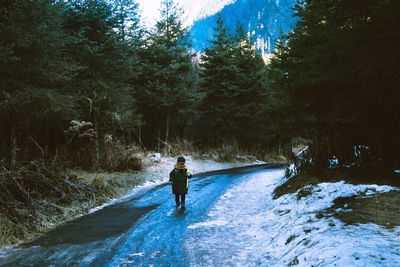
(119, 157)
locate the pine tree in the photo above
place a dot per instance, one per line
(282, 118)
(235, 88)
(33, 68)
(166, 84)
(102, 50)
(339, 62)
(250, 98)
(218, 85)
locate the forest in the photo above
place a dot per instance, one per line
(338, 75)
(75, 74)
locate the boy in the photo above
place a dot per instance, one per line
(179, 177)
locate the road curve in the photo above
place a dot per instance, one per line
(144, 229)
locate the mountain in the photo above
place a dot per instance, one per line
(195, 9)
(263, 19)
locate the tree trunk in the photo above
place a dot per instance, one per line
(158, 141)
(96, 139)
(319, 148)
(140, 132)
(13, 147)
(166, 135)
(279, 148)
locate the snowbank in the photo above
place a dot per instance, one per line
(307, 239)
(246, 226)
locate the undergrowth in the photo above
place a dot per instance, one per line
(34, 197)
(120, 157)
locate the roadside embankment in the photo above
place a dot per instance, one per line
(364, 202)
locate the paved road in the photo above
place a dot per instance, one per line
(142, 230)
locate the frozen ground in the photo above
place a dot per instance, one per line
(255, 229)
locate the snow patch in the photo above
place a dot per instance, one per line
(246, 226)
(324, 194)
(141, 254)
(195, 10)
(208, 224)
(156, 157)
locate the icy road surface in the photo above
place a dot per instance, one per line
(230, 220)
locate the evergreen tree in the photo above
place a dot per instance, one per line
(218, 86)
(339, 62)
(235, 89)
(130, 41)
(101, 49)
(282, 122)
(250, 104)
(33, 69)
(165, 90)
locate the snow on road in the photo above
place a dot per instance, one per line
(247, 227)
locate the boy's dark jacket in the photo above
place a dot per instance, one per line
(179, 177)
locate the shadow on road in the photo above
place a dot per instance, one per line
(107, 222)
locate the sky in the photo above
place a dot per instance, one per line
(193, 9)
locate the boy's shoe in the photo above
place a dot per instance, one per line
(177, 204)
(183, 206)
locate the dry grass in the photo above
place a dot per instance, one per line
(35, 199)
(119, 157)
(113, 184)
(6, 231)
(33, 223)
(181, 147)
(225, 152)
(272, 157)
(382, 209)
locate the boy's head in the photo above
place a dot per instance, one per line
(181, 161)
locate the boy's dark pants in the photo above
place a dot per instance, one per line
(182, 200)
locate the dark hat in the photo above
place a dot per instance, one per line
(181, 159)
